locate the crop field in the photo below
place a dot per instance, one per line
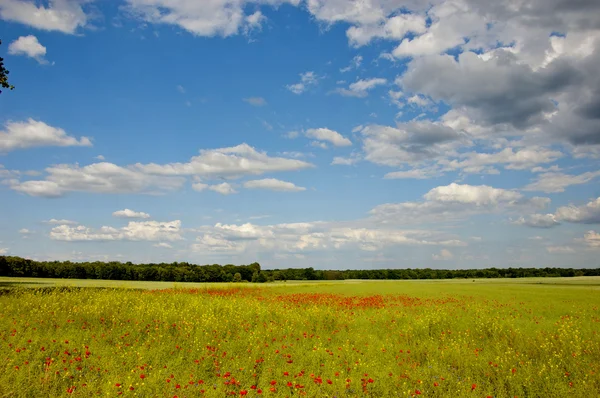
(523, 338)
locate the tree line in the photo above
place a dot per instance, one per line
(186, 272)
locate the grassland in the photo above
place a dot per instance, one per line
(459, 338)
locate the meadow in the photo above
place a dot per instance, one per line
(458, 338)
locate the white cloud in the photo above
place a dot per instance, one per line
(199, 186)
(360, 88)
(538, 221)
(445, 254)
(592, 239)
(54, 221)
(291, 135)
(99, 157)
(346, 161)
(28, 46)
(410, 142)
(97, 178)
(419, 101)
(59, 15)
(325, 134)
(318, 144)
(32, 133)
(451, 23)
(393, 28)
(209, 18)
(307, 79)
(127, 213)
(415, 174)
(560, 249)
(180, 88)
(48, 189)
(163, 245)
(254, 22)
(24, 231)
(354, 64)
(481, 195)
(3, 251)
(521, 159)
(233, 161)
(255, 101)
(134, 231)
(557, 182)
(223, 188)
(303, 237)
(586, 214)
(455, 201)
(273, 185)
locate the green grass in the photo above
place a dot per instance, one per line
(459, 338)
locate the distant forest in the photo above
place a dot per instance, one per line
(186, 272)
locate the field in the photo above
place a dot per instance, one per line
(468, 338)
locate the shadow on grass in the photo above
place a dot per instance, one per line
(19, 284)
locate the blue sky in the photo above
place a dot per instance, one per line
(327, 133)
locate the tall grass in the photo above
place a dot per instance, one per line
(314, 340)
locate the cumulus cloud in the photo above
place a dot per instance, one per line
(54, 221)
(308, 237)
(223, 188)
(134, 231)
(519, 159)
(586, 214)
(557, 182)
(163, 245)
(96, 178)
(497, 90)
(33, 133)
(307, 80)
(592, 239)
(409, 142)
(354, 64)
(28, 46)
(347, 161)
(127, 213)
(360, 88)
(560, 249)
(444, 254)
(456, 201)
(3, 251)
(325, 134)
(273, 184)
(538, 221)
(233, 161)
(394, 28)
(59, 15)
(215, 18)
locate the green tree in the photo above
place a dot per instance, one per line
(237, 277)
(4, 75)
